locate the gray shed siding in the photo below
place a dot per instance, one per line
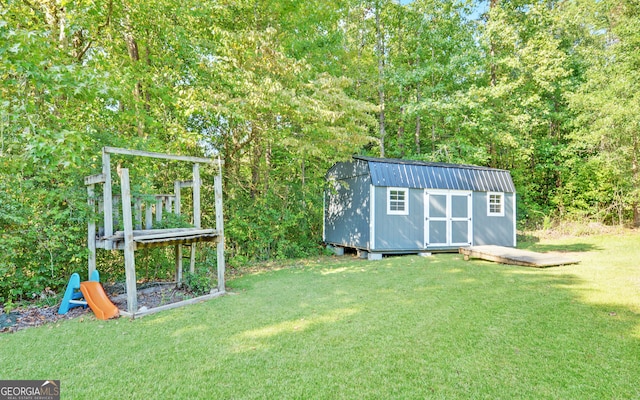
(356, 209)
(398, 232)
(347, 211)
(490, 230)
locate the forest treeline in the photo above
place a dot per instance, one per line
(282, 89)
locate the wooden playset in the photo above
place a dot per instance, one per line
(137, 233)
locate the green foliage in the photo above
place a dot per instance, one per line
(261, 231)
(172, 220)
(42, 239)
(607, 132)
(200, 282)
(282, 90)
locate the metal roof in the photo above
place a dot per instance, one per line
(428, 175)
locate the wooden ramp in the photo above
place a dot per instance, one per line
(507, 255)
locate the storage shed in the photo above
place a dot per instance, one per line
(392, 206)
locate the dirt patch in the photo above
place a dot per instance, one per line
(26, 317)
(150, 295)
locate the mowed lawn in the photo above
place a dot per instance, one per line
(342, 328)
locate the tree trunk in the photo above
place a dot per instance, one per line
(134, 56)
(380, 54)
(267, 170)
(403, 98)
(55, 16)
(400, 139)
(255, 163)
(417, 134)
(303, 183)
(147, 94)
(493, 4)
(433, 137)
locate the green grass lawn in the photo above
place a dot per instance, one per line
(401, 328)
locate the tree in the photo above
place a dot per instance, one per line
(609, 112)
(522, 110)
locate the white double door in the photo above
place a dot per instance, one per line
(447, 218)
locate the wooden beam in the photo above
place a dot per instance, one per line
(116, 150)
(196, 195)
(119, 235)
(117, 210)
(182, 303)
(91, 229)
(107, 197)
(192, 259)
(217, 185)
(164, 242)
(176, 190)
(179, 264)
(138, 209)
(148, 214)
(129, 244)
(93, 179)
(184, 240)
(163, 235)
(178, 247)
(158, 209)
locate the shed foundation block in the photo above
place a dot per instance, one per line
(338, 251)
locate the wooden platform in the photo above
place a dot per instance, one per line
(161, 237)
(507, 255)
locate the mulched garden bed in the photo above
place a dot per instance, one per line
(150, 295)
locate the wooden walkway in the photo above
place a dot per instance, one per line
(507, 255)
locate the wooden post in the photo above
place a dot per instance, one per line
(129, 244)
(148, 213)
(196, 183)
(115, 204)
(178, 251)
(177, 187)
(217, 184)
(138, 208)
(192, 260)
(179, 265)
(107, 198)
(91, 229)
(196, 195)
(176, 191)
(158, 209)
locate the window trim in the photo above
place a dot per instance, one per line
(502, 201)
(406, 201)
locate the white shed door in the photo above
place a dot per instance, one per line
(447, 218)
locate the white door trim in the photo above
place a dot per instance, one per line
(448, 218)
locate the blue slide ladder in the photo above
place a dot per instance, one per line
(72, 294)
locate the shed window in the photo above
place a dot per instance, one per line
(398, 201)
(495, 204)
